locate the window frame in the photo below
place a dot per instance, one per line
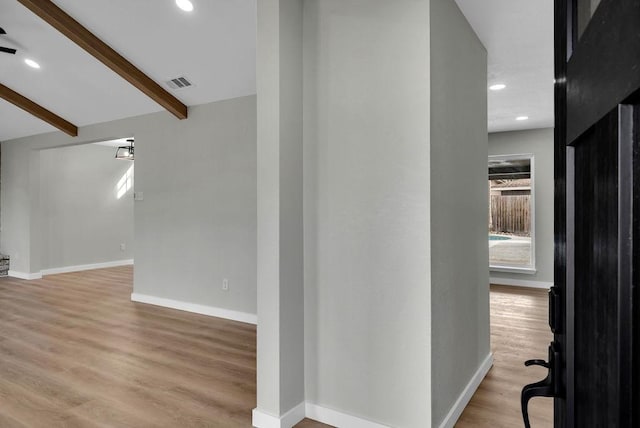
(531, 268)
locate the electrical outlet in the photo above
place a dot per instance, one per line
(123, 247)
(225, 284)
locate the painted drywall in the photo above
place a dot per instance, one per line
(280, 360)
(367, 208)
(83, 219)
(539, 142)
(460, 275)
(197, 222)
(291, 206)
(15, 205)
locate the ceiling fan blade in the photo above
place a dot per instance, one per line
(7, 50)
(2, 31)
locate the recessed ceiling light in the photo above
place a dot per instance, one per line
(185, 5)
(497, 87)
(522, 118)
(31, 63)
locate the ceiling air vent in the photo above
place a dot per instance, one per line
(179, 83)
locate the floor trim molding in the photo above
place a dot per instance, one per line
(312, 411)
(338, 419)
(464, 398)
(261, 419)
(23, 275)
(211, 311)
(521, 283)
(91, 266)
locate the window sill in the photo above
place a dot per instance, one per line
(513, 269)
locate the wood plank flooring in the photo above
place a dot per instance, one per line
(76, 352)
(519, 332)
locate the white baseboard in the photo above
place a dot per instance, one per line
(338, 419)
(311, 411)
(464, 398)
(195, 308)
(79, 268)
(288, 420)
(520, 283)
(23, 275)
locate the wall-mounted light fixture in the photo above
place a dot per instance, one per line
(126, 152)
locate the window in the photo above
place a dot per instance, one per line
(585, 9)
(511, 213)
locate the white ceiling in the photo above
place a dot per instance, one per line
(214, 46)
(518, 35)
(113, 143)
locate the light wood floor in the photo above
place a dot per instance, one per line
(76, 352)
(519, 332)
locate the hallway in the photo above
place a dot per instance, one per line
(519, 332)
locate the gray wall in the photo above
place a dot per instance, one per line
(16, 180)
(280, 362)
(366, 137)
(460, 275)
(83, 221)
(540, 143)
(197, 222)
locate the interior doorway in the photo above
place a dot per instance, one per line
(86, 206)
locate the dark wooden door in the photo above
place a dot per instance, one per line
(597, 215)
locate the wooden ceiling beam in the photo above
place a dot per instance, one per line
(71, 28)
(37, 110)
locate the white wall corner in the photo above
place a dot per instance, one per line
(464, 398)
(520, 283)
(211, 311)
(288, 420)
(92, 266)
(23, 275)
(338, 419)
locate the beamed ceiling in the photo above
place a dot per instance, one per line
(153, 41)
(148, 41)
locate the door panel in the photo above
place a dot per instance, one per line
(604, 65)
(597, 196)
(602, 236)
(594, 219)
(633, 301)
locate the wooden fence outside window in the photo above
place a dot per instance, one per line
(510, 214)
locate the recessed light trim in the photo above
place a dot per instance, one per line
(31, 63)
(521, 118)
(497, 87)
(185, 5)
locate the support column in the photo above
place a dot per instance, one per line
(280, 362)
